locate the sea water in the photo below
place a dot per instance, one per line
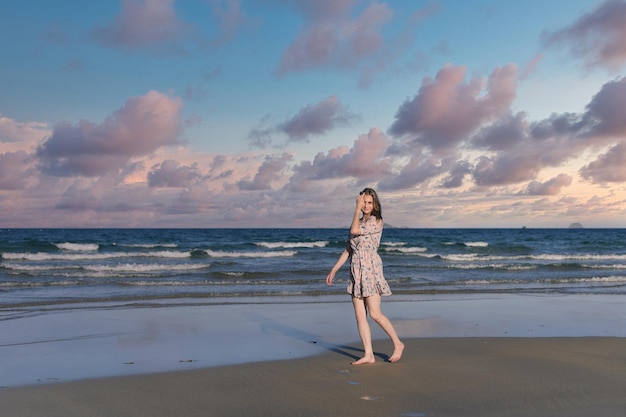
(59, 266)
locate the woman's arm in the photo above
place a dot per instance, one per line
(342, 260)
(355, 227)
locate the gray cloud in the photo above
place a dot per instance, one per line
(316, 119)
(606, 113)
(503, 134)
(457, 174)
(270, 171)
(420, 169)
(311, 120)
(597, 37)
(14, 169)
(550, 187)
(608, 167)
(170, 174)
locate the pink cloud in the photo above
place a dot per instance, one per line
(332, 38)
(597, 37)
(141, 126)
(170, 174)
(12, 131)
(142, 23)
(270, 171)
(14, 170)
(365, 161)
(447, 109)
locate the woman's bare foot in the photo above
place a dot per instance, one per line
(365, 360)
(397, 353)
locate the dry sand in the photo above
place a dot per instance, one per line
(468, 376)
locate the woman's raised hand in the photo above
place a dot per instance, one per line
(360, 201)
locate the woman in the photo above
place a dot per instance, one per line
(367, 283)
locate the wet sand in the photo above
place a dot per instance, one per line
(465, 356)
(436, 377)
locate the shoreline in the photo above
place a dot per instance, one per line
(39, 346)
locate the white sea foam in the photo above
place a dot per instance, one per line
(505, 267)
(234, 274)
(290, 245)
(579, 257)
(394, 244)
(151, 245)
(271, 254)
(416, 249)
(134, 267)
(477, 244)
(47, 256)
(81, 247)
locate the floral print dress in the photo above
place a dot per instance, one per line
(366, 267)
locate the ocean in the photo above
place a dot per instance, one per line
(62, 266)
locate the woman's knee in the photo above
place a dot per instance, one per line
(377, 316)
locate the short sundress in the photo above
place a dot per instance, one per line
(366, 267)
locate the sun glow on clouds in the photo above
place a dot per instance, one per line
(457, 153)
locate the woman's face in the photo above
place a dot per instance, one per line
(368, 204)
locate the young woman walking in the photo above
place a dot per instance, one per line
(367, 283)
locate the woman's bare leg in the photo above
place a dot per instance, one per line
(360, 311)
(372, 304)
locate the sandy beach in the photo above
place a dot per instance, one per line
(465, 356)
(437, 377)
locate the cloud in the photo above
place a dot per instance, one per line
(447, 109)
(366, 161)
(269, 172)
(170, 174)
(316, 119)
(522, 148)
(550, 187)
(311, 120)
(504, 133)
(457, 174)
(141, 126)
(143, 24)
(12, 131)
(230, 18)
(607, 167)
(14, 167)
(420, 169)
(331, 38)
(606, 113)
(506, 169)
(597, 37)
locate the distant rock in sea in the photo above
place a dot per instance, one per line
(575, 226)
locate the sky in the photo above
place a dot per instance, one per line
(276, 113)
